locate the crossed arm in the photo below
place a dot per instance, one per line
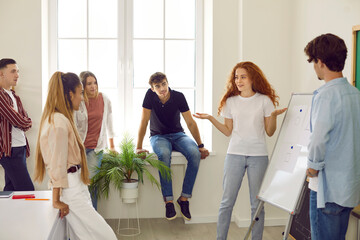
(14, 118)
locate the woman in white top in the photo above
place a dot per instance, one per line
(94, 123)
(61, 152)
(248, 111)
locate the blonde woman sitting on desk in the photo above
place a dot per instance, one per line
(60, 150)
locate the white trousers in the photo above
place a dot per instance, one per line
(84, 222)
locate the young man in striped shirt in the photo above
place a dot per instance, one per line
(14, 121)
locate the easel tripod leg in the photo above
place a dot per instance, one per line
(288, 226)
(297, 209)
(255, 219)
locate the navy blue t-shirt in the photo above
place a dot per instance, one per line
(165, 118)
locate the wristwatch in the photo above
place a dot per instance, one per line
(201, 145)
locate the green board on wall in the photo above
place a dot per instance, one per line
(357, 61)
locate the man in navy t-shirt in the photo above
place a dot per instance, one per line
(162, 106)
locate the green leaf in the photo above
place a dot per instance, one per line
(117, 167)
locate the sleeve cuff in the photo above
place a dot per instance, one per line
(61, 183)
(316, 166)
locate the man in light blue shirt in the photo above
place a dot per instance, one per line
(334, 148)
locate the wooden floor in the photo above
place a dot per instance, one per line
(162, 229)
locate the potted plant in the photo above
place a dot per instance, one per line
(117, 168)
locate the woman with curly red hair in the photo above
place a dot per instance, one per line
(248, 108)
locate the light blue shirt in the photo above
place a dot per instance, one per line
(334, 147)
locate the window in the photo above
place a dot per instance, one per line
(123, 42)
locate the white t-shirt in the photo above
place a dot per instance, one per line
(17, 135)
(248, 134)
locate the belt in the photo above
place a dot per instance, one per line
(74, 168)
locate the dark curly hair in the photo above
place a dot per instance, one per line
(330, 49)
(156, 78)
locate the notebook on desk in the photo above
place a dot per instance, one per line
(6, 194)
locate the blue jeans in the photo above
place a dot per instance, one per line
(234, 171)
(328, 223)
(93, 161)
(163, 146)
(17, 177)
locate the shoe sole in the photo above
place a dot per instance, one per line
(186, 218)
(172, 218)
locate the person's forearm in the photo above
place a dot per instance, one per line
(63, 207)
(194, 130)
(220, 126)
(271, 128)
(141, 135)
(111, 141)
(56, 196)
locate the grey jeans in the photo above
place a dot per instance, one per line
(234, 171)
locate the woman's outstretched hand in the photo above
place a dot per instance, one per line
(202, 115)
(277, 112)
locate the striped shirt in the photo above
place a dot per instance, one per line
(8, 118)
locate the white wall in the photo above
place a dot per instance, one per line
(315, 17)
(273, 34)
(21, 39)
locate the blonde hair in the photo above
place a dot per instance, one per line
(58, 100)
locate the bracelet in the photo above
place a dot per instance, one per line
(201, 145)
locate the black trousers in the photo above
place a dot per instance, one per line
(17, 177)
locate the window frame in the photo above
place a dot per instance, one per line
(125, 65)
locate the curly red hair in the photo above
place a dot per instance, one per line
(259, 84)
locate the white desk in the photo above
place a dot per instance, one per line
(22, 219)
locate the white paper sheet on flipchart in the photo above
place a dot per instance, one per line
(305, 135)
(295, 118)
(288, 157)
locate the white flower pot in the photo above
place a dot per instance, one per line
(129, 191)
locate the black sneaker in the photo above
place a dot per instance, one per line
(170, 211)
(185, 212)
